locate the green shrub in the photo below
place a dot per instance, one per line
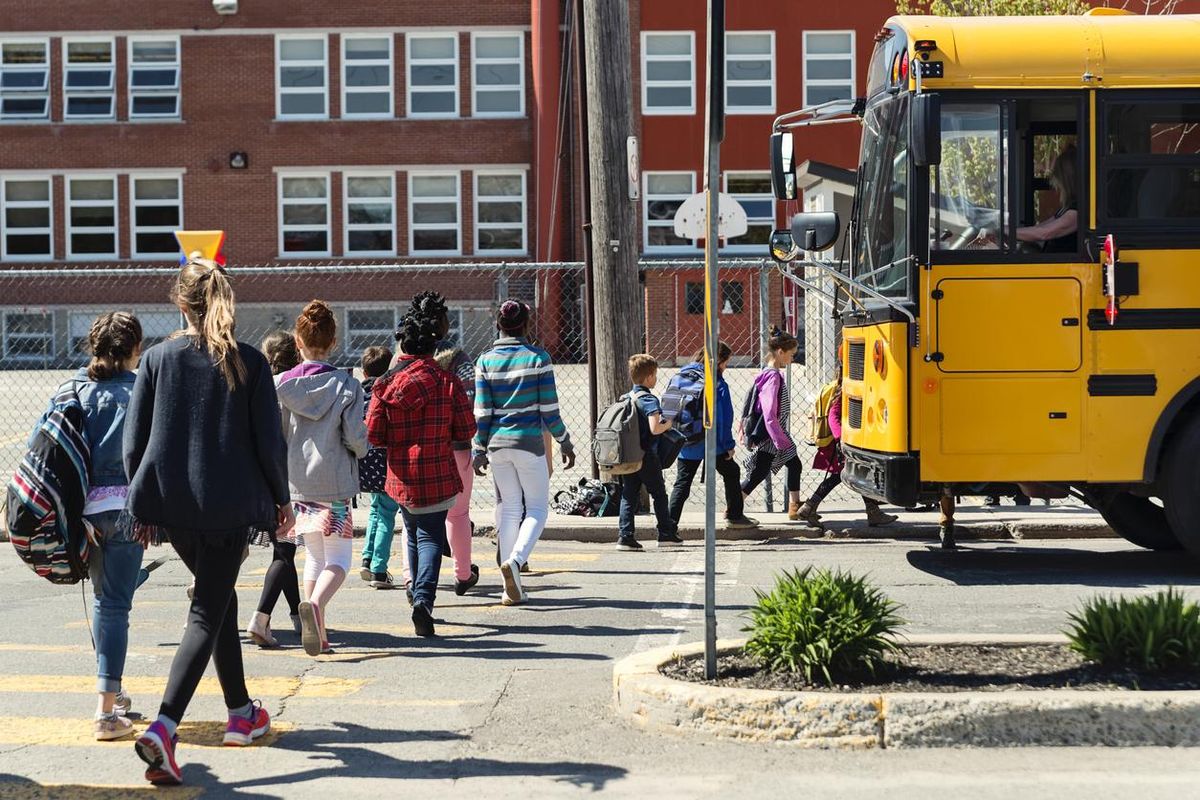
(1154, 633)
(825, 625)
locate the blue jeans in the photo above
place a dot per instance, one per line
(381, 524)
(426, 536)
(650, 476)
(113, 568)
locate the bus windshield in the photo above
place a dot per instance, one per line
(880, 251)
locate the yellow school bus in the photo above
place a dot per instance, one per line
(1024, 269)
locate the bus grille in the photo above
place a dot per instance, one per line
(854, 412)
(856, 360)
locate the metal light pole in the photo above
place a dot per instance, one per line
(714, 111)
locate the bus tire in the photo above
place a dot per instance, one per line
(1138, 521)
(1180, 482)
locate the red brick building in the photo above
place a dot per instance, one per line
(368, 133)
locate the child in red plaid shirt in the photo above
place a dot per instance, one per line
(417, 411)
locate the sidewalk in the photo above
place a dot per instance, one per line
(1007, 523)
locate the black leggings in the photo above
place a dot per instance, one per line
(828, 485)
(281, 577)
(760, 470)
(214, 558)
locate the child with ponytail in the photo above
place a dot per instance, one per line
(207, 466)
(323, 424)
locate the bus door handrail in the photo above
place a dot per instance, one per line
(837, 275)
(826, 297)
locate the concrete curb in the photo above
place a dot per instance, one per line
(1054, 717)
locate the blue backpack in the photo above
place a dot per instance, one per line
(683, 402)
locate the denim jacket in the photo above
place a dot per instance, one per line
(104, 405)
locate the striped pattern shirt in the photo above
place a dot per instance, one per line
(515, 398)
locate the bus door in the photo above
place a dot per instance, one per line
(1006, 290)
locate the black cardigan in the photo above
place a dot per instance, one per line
(198, 456)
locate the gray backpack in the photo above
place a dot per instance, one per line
(617, 443)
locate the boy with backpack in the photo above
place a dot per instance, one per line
(643, 372)
(683, 404)
(372, 475)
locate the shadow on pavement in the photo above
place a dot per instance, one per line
(1020, 566)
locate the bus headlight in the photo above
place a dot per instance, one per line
(883, 414)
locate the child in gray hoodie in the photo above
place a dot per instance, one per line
(323, 423)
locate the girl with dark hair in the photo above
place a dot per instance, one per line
(207, 466)
(515, 400)
(323, 424)
(417, 410)
(771, 397)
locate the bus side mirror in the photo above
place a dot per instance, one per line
(815, 230)
(783, 165)
(927, 130)
(783, 247)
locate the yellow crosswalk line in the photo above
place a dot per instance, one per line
(309, 686)
(22, 790)
(73, 732)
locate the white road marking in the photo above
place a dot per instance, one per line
(680, 599)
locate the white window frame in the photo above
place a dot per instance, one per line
(806, 57)
(5, 204)
(647, 84)
(371, 62)
(476, 88)
(51, 337)
(414, 227)
(408, 82)
(386, 337)
(281, 90)
(145, 315)
(767, 195)
(348, 227)
(280, 202)
(647, 225)
(174, 91)
(524, 249)
(135, 204)
(114, 229)
(42, 93)
(110, 92)
(730, 109)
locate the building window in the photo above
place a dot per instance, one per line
(664, 193)
(29, 336)
(732, 298)
(499, 74)
(433, 221)
(302, 79)
(156, 214)
(24, 80)
(693, 299)
(88, 79)
(668, 73)
(370, 215)
(432, 74)
(367, 77)
(369, 327)
(500, 212)
(304, 215)
(153, 78)
(92, 217)
(455, 335)
(752, 190)
(750, 73)
(156, 327)
(828, 66)
(28, 218)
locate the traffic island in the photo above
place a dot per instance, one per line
(651, 690)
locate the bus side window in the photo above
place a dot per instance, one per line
(1150, 163)
(967, 189)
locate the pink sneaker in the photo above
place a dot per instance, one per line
(241, 732)
(158, 751)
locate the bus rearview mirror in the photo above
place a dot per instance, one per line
(783, 165)
(783, 247)
(927, 130)
(815, 230)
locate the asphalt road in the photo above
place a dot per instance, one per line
(516, 702)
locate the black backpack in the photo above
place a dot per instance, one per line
(683, 403)
(752, 425)
(590, 498)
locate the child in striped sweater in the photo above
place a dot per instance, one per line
(515, 400)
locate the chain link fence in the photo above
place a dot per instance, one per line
(45, 316)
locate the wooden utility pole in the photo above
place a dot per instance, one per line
(618, 297)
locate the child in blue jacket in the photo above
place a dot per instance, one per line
(691, 458)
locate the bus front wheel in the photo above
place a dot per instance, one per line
(1180, 481)
(1137, 520)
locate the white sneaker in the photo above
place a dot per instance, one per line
(514, 595)
(111, 726)
(259, 630)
